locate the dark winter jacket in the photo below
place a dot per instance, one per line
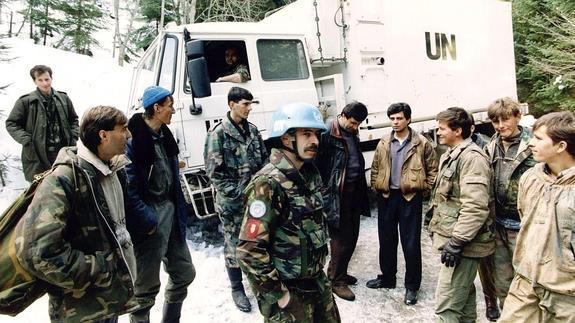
(67, 239)
(142, 218)
(332, 161)
(27, 124)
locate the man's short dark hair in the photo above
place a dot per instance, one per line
(560, 127)
(356, 110)
(149, 113)
(399, 107)
(237, 93)
(457, 118)
(96, 119)
(39, 70)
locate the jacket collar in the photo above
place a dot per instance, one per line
(566, 177)
(116, 163)
(280, 161)
(232, 129)
(335, 130)
(143, 140)
(413, 137)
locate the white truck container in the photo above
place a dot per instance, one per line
(432, 54)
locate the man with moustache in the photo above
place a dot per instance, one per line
(404, 166)
(341, 165)
(543, 289)
(234, 151)
(283, 238)
(461, 222)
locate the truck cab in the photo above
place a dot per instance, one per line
(279, 70)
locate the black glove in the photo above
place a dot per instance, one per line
(451, 252)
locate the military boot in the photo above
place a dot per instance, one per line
(172, 312)
(238, 293)
(492, 312)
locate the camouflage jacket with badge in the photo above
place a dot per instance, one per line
(283, 237)
(545, 249)
(461, 201)
(66, 238)
(231, 160)
(521, 163)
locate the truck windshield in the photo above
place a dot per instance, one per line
(282, 59)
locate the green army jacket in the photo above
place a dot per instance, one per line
(66, 238)
(231, 160)
(461, 201)
(283, 237)
(27, 124)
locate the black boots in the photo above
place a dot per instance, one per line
(172, 312)
(238, 294)
(492, 312)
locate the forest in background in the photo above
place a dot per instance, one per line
(544, 34)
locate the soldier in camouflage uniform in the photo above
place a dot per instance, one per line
(74, 234)
(543, 289)
(461, 225)
(510, 156)
(283, 238)
(234, 71)
(233, 152)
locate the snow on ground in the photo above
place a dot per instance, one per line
(209, 297)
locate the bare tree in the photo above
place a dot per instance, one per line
(132, 8)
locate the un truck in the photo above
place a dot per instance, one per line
(432, 54)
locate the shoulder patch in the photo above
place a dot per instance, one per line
(257, 209)
(252, 228)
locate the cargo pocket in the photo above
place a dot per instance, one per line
(447, 216)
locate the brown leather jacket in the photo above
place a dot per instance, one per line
(418, 171)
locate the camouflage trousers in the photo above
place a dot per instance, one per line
(455, 292)
(503, 271)
(231, 224)
(310, 301)
(528, 303)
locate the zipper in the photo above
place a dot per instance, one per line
(108, 224)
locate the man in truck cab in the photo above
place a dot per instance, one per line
(234, 71)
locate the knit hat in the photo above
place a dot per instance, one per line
(153, 94)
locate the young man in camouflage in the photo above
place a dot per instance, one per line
(510, 156)
(42, 121)
(74, 234)
(234, 151)
(461, 225)
(543, 289)
(283, 238)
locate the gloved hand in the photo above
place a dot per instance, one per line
(451, 252)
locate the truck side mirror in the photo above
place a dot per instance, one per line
(197, 69)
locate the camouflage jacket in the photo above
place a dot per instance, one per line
(27, 124)
(231, 160)
(67, 239)
(545, 249)
(283, 237)
(521, 163)
(461, 200)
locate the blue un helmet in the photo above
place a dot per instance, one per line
(295, 115)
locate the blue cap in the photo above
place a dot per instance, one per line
(154, 94)
(295, 115)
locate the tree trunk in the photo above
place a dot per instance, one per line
(117, 29)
